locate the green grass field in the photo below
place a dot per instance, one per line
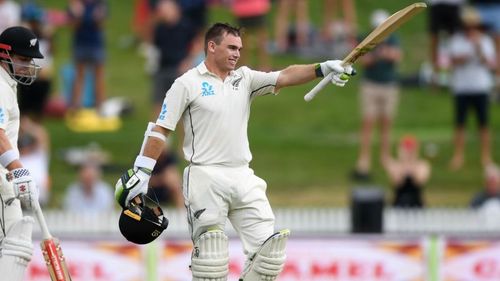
(304, 151)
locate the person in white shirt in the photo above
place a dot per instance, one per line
(472, 54)
(89, 194)
(18, 47)
(10, 14)
(213, 100)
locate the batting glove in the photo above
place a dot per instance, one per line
(132, 183)
(341, 74)
(24, 186)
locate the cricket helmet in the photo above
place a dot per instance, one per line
(21, 41)
(142, 221)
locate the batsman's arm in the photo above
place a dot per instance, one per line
(300, 74)
(9, 158)
(296, 75)
(135, 181)
(154, 146)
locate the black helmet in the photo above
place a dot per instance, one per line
(21, 41)
(140, 223)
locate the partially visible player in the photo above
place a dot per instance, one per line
(213, 100)
(18, 47)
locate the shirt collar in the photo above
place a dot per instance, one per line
(5, 75)
(202, 69)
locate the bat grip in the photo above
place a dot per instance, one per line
(314, 91)
(41, 221)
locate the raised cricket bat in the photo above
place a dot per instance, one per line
(371, 41)
(51, 250)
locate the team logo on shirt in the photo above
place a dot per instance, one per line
(207, 89)
(2, 116)
(163, 111)
(236, 83)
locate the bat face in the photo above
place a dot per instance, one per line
(383, 30)
(54, 259)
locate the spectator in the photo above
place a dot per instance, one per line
(300, 10)
(408, 174)
(33, 98)
(87, 18)
(89, 193)
(443, 21)
(329, 18)
(172, 38)
(378, 96)
(10, 14)
(490, 195)
(165, 183)
(251, 15)
(489, 10)
(472, 54)
(33, 144)
(195, 11)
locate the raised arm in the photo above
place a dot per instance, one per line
(300, 74)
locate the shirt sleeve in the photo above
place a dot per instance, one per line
(175, 102)
(262, 83)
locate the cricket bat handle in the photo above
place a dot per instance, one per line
(41, 221)
(314, 91)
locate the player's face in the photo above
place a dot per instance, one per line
(24, 69)
(22, 65)
(227, 53)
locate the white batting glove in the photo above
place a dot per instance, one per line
(25, 188)
(132, 183)
(341, 74)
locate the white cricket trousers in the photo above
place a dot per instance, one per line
(214, 194)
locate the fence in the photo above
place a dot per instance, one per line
(302, 222)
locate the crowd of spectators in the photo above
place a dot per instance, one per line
(464, 47)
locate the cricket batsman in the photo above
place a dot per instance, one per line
(213, 99)
(18, 47)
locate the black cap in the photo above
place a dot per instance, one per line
(141, 224)
(21, 41)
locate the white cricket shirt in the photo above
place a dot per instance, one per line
(473, 75)
(215, 113)
(9, 109)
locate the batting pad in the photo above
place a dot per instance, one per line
(210, 258)
(16, 250)
(268, 262)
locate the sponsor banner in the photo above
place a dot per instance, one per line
(308, 259)
(318, 260)
(477, 260)
(96, 261)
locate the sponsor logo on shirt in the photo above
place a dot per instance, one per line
(163, 111)
(2, 116)
(207, 89)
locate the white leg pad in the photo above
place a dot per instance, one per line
(16, 250)
(267, 263)
(210, 258)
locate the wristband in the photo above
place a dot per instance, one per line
(145, 162)
(318, 71)
(8, 157)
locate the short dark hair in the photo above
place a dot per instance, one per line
(217, 31)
